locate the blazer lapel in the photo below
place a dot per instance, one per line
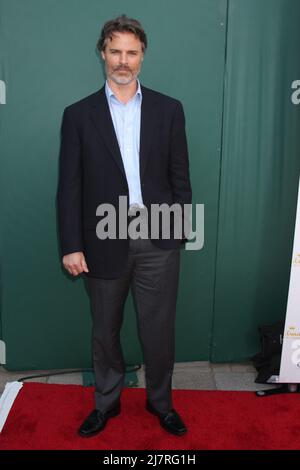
(149, 121)
(103, 123)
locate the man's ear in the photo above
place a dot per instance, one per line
(103, 55)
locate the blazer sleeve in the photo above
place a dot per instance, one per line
(69, 191)
(179, 163)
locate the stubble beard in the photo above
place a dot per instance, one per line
(119, 80)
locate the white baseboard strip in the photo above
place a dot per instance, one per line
(7, 400)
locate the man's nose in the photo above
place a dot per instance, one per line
(123, 59)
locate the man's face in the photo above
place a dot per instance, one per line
(123, 56)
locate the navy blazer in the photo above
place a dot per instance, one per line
(91, 172)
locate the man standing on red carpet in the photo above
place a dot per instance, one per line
(125, 140)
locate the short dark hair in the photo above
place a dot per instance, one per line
(121, 24)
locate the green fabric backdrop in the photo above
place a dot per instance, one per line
(231, 63)
(259, 173)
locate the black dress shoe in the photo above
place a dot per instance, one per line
(96, 421)
(170, 421)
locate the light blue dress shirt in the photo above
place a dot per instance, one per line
(127, 123)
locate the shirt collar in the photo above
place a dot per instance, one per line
(110, 93)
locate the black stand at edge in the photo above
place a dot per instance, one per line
(285, 388)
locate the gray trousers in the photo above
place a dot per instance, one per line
(153, 274)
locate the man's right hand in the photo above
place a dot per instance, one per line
(75, 263)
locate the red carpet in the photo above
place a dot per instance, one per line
(47, 417)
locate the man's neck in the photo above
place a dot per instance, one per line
(123, 92)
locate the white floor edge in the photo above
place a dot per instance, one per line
(7, 400)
